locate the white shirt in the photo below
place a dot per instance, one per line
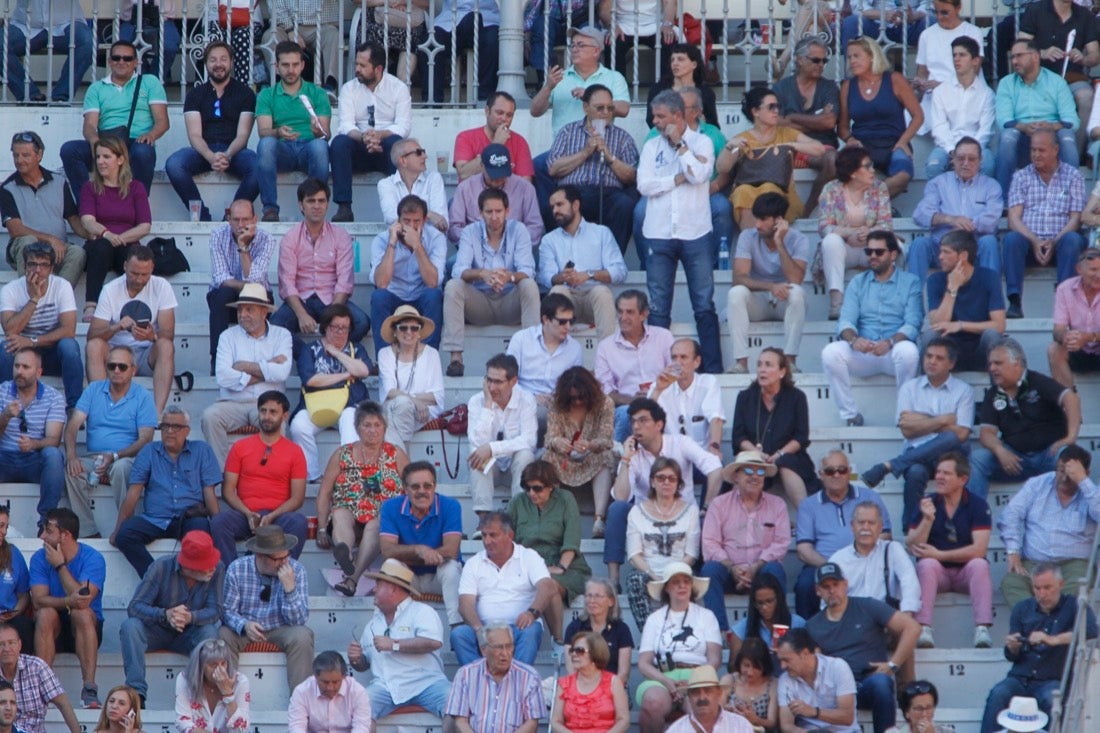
(157, 294)
(865, 575)
(428, 186)
(676, 211)
(504, 592)
(727, 723)
(1094, 116)
(591, 249)
(413, 377)
(690, 411)
(679, 448)
(954, 395)
(312, 712)
(638, 17)
(46, 317)
(236, 345)
(934, 48)
(403, 674)
(517, 422)
(538, 368)
(959, 111)
(388, 107)
(833, 679)
(659, 635)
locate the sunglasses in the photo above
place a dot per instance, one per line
(171, 427)
(217, 108)
(580, 650)
(920, 687)
(665, 478)
(952, 531)
(114, 366)
(816, 59)
(771, 107)
(409, 328)
(754, 471)
(266, 455)
(26, 137)
(875, 251)
(417, 151)
(265, 593)
(22, 421)
(836, 470)
(534, 488)
(565, 321)
(120, 57)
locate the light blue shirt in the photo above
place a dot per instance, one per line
(455, 10)
(114, 425)
(1047, 99)
(514, 253)
(538, 368)
(407, 283)
(979, 199)
(172, 486)
(878, 310)
(592, 248)
(827, 525)
(566, 108)
(1036, 522)
(954, 395)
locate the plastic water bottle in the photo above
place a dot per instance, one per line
(93, 475)
(356, 245)
(724, 253)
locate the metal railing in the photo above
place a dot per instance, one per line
(745, 42)
(1081, 675)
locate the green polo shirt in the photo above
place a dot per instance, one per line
(112, 102)
(566, 108)
(286, 109)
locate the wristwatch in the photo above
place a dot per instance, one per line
(893, 667)
(591, 274)
(534, 612)
(34, 341)
(114, 457)
(396, 646)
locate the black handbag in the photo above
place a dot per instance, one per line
(167, 259)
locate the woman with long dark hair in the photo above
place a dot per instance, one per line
(767, 607)
(684, 68)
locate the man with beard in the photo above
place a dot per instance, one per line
(218, 117)
(707, 714)
(375, 111)
(499, 111)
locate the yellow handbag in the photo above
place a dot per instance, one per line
(325, 405)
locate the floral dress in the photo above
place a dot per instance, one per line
(193, 715)
(362, 487)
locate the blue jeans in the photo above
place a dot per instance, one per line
(432, 698)
(62, 359)
(552, 37)
(984, 467)
(697, 259)
(229, 525)
(350, 157)
(721, 221)
(1018, 253)
(149, 33)
(721, 579)
(876, 693)
(924, 255)
(183, 165)
(1014, 151)
(137, 532)
(622, 423)
(275, 156)
(527, 641)
(383, 303)
(939, 158)
(614, 539)
(1003, 692)
(917, 465)
(850, 28)
(46, 466)
(81, 59)
(76, 159)
(285, 317)
(614, 214)
(137, 638)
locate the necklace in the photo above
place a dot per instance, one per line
(412, 371)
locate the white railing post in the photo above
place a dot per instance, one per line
(510, 42)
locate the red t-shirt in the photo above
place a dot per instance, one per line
(265, 487)
(470, 143)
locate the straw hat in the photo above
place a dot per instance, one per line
(396, 572)
(703, 676)
(698, 585)
(406, 313)
(253, 294)
(752, 458)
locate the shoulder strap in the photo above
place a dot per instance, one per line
(133, 103)
(886, 568)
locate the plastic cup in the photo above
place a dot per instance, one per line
(195, 207)
(442, 162)
(311, 528)
(778, 632)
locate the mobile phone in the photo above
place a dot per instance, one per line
(144, 324)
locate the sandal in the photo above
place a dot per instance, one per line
(342, 553)
(89, 313)
(346, 586)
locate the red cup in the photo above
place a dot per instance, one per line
(311, 528)
(778, 632)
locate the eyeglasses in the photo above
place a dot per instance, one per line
(417, 151)
(836, 470)
(603, 107)
(665, 478)
(114, 366)
(171, 427)
(22, 421)
(875, 251)
(534, 488)
(267, 454)
(820, 60)
(409, 328)
(39, 265)
(120, 57)
(754, 471)
(565, 321)
(338, 329)
(577, 650)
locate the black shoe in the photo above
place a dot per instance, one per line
(856, 422)
(1014, 311)
(874, 475)
(342, 553)
(456, 369)
(343, 213)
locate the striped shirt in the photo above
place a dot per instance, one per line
(572, 139)
(496, 706)
(47, 314)
(1036, 522)
(1047, 206)
(243, 586)
(225, 260)
(35, 686)
(48, 406)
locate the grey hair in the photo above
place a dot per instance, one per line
(503, 517)
(330, 661)
(867, 505)
(175, 410)
(1014, 350)
(211, 650)
(692, 92)
(670, 100)
(614, 612)
(1047, 567)
(484, 631)
(802, 48)
(398, 149)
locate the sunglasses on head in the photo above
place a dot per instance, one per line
(22, 421)
(835, 470)
(265, 593)
(920, 687)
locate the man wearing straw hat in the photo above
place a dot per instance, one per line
(267, 600)
(402, 645)
(707, 714)
(1022, 716)
(253, 357)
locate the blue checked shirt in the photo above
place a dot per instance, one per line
(1047, 206)
(225, 260)
(878, 310)
(574, 136)
(243, 585)
(1037, 526)
(513, 255)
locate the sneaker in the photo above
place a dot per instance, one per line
(476, 536)
(270, 214)
(343, 213)
(598, 528)
(834, 311)
(456, 369)
(737, 368)
(925, 640)
(981, 637)
(873, 476)
(856, 422)
(89, 697)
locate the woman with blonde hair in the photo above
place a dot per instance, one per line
(873, 103)
(114, 209)
(121, 713)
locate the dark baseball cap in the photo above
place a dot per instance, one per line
(828, 571)
(497, 161)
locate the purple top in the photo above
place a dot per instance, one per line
(114, 212)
